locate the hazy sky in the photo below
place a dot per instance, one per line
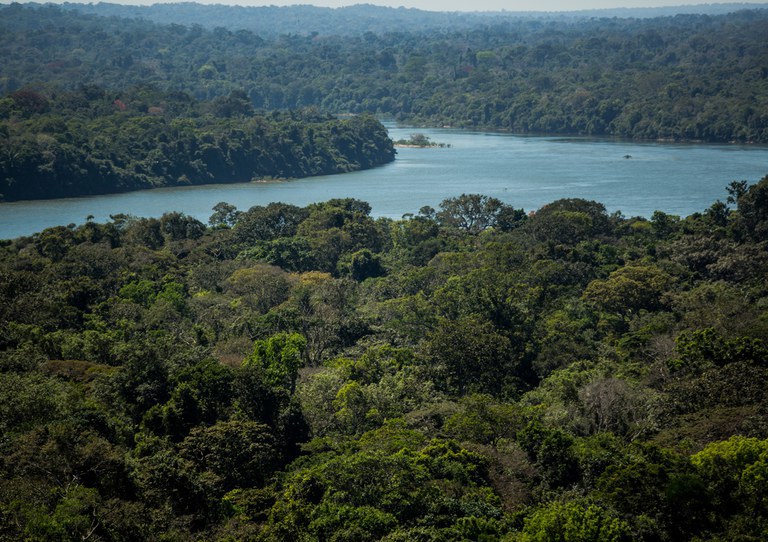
(452, 5)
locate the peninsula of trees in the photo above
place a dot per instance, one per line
(93, 141)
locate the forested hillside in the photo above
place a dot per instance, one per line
(357, 19)
(693, 77)
(94, 141)
(467, 373)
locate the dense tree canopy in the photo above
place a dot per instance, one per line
(693, 77)
(87, 141)
(317, 374)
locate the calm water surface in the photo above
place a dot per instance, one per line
(524, 171)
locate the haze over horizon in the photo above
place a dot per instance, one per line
(454, 5)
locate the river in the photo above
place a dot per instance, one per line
(524, 171)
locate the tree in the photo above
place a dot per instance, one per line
(225, 215)
(468, 356)
(629, 289)
(553, 451)
(361, 265)
(260, 287)
(268, 223)
(562, 226)
(239, 453)
(178, 226)
(30, 102)
(753, 210)
(600, 221)
(611, 404)
(484, 420)
(474, 213)
(725, 464)
(237, 104)
(700, 348)
(664, 224)
(736, 189)
(574, 521)
(281, 356)
(201, 395)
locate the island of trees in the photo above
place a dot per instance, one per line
(313, 373)
(420, 141)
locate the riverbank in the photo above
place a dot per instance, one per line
(526, 172)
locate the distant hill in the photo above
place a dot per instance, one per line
(361, 18)
(681, 77)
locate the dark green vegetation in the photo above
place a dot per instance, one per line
(358, 19)
(287, 373)
(419, 140)
(469, 373)
(684, 77)
(93, 141)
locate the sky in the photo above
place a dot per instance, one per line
(452, 5)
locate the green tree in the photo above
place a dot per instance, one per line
(468, 356)
(201, 395)
(474, 213)
(281, 356)
(731, 469)
(753, 210)
(225, 215)
(361, 265)
(629, 289)
(574, 521)
(268, 223)
(238, 453)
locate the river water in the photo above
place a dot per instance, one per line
(524, 171)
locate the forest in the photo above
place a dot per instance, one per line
(94, 141)
(272, 21)
(472, 372)
(683, 77)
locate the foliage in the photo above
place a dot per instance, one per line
(684, 77)
(87, 142)
(316, 373)
(574, 522)
(281, 356)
